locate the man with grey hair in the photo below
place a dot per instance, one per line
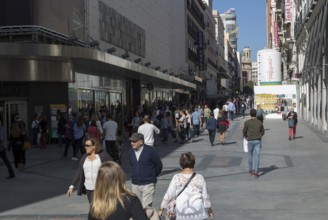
(146, 165)
(148, 130)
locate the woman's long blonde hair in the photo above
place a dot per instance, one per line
(109, 190)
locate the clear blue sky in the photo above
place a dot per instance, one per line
(251, 19)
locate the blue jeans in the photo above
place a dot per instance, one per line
(254, 147)
(196, 129)
(231, 115)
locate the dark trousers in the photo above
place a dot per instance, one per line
(19, 155)
(34, 136)
(60, 140)
(68, 141)
(196, 129)
(164, 132)
(89, 195)
(3, 155)
(211, 134)
(182, 134)
(78, 145)
(231, 115)
(113, 150)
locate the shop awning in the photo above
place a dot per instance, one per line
(38, 58)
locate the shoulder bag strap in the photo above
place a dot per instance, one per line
(185, 186)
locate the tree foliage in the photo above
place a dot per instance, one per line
(249, 88)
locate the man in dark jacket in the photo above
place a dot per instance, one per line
(146, 165)
(253, 132)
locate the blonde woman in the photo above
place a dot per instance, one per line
(259, 113)
(112, 199)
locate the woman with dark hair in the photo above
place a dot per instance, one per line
(182, 126)
(93, 130)
(222, 126)
(17, 138)
(112, 199)
(43, 131)
(292, 123)
(190, 192)
(86, 174)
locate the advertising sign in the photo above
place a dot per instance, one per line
(288, 11)
(269, 67)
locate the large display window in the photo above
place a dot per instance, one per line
(85, 99)
(101, 100)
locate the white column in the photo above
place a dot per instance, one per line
(319, 103)
(324, 97)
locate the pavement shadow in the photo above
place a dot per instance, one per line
(229, 143)
(196, 140)
(165, 172)
(265, 170)
(299, 137)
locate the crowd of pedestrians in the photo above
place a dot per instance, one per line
(100, 176)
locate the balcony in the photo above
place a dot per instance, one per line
(33, 33)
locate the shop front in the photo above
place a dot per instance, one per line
(83, 79)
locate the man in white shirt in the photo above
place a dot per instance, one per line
(148, 130)
(216, 112)
(110, 131)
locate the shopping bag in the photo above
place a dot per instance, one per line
(245, 145)
(27, 145)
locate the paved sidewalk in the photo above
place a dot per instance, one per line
(293, 182)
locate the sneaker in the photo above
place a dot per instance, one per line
(75, 158)
(250, 173)
(256, 174)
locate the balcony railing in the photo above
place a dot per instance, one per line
(33, 33)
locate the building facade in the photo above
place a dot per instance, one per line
(311, 47)
(224, 76)
(298, 29)
(90, 55)
(255, 74)
(246, 67)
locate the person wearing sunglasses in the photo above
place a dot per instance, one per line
(86, 174)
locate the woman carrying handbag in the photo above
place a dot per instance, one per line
(292, 123)
(187, 197)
